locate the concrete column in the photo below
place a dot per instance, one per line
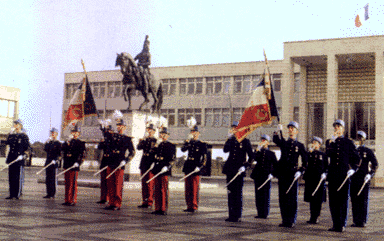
(303, 110)
(379, 104)
(287, 93)
(332, 96)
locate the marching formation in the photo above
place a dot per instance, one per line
(345, 165)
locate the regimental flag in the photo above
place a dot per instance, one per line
(82, 105)
(261, 108)
(362, 16)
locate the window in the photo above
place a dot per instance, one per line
(276, 78)
(209, 81)
(95, 90)
(247, 84)
(255, 81)
(181, 117)
(227, 84)
(217, 117)
(296, 114)
(111, 89)
(208, 117)
(237, 113)
(118, 89)
(183, 86)
(186, 114)
(172, 87)
(297, 82)
(165, 86)
(70, 90)
(114, 89)
(170, 115)
(102, 90)
(237, 85)
(199, 86)
(218, 85)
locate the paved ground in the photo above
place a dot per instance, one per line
(34, 218)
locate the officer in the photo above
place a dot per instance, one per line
(165, 156)
(147, 145)
(288, 169)
(53, 149)
(344, 161)
(265, 163)
(236, 163)
(18, 142)
(73, 151)
(197, 155)
(118, 160)
(105, 146)
(362, 178)
(316, 172)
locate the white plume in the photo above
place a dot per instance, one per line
(191, 122)
(117, 114)
(161, 122)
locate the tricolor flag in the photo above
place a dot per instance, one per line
(362, 16)
(82, 105)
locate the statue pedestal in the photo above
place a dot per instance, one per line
(136, 122)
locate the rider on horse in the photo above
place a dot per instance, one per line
(144, 60)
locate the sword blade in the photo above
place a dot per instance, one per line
(187, 175)
(346, 178)
(237, 174)
(362, 187)
(262, 185)
(37, 173)
(318, 185)
(289, 189)
(101, 170)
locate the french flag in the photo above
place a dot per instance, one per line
(362, 16)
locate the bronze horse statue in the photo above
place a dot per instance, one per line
(135, 78)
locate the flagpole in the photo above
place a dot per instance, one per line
(85, 87)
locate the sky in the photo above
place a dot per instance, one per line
(41, 40)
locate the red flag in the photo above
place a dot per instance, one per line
(82, 105)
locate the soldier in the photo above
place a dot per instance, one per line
(53, 149)
(18, 142)
(316, 172)
(73, 151)
(165, 155)
(344, 161)
(147, 161)
(362, 177)
(265, 163)
(118, 160)
(236, 163)
(197, 154)
(288, 172)
(105, 146)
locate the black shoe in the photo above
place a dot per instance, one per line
(10, 198)
(71, 204)
(333, 229)
(260, 217)
(47, 197)
(312, 221)
(65, 204)
(155, 212)
(233, 220)
(287, 225)
(102, 202)
(112, 208)
(159, 212)
(190, 210)
(144, 206)
(358, 225)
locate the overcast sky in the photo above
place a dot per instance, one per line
(41, 40)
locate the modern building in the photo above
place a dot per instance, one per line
(317, 82)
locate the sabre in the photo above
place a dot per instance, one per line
(74, 165)
(194, 171)
(153, 164)
(120, 166)
(101, 170)
(361, 189)
(237, 174)
(346, 178)
(294, 180)
(266, 181)
(52, 162)
(318, 185)
(161, 172)
(19, 158)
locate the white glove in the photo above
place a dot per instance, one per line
(280, 127)
(76, 164)
(197, 169)
(20, 158)
(164, 169)
(242, 169)
(53, 162)
(270, 176)
(350, 172)
(297, 174)
(367, 177)
(96, 146)
(152, 166)
(254, 163)
(122, 163)
(323, 176)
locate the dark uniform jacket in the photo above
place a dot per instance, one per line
(18, 145)
(290, 149)
(266, 162)
(343, 156)
(73, 152)
(165, 154)
(148, 147)
(53, 149)
(237, 155)
(317, 164)
(120, 144)
(366, 156)
(197, 154)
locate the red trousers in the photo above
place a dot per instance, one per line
(192, 191)
(161, 193)
(115, 187)
(103, 186)
(71, 186)
(147, 188)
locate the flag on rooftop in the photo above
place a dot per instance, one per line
(362, 16)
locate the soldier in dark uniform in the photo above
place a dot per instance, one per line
(73, 151)
(344, 161)
(265, 163)
(165, 156)
(118, 160)
(53, 149)
(197, 154)
(147, 145)
(18, 142)
(316, 170)
(105, 146)
(367, 169)
(236, 162)
(288, 169)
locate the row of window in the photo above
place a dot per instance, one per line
(7, 108)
